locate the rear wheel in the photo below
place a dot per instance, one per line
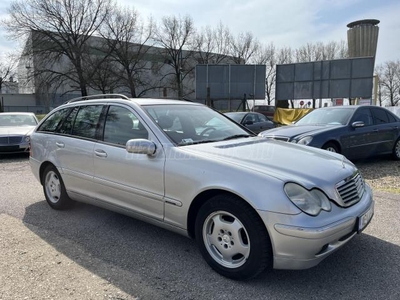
(232, 238)
(331, 147)
(54, 189)
(396, 150)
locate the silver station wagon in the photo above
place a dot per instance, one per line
(250, 203)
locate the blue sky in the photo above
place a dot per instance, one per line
(290, 23)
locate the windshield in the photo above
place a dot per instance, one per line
(327, 116)
(16, 120)
(190, 124)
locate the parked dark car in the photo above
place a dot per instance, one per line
(354, 131)
(256, 122)
(266, 110)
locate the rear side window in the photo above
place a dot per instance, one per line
(392, 119)
(380, 116)
(51, 123)
(66, 126)
(86, 121)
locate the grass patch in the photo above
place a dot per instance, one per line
(389, 190)
(40, 116)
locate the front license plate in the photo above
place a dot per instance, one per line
(365, 218)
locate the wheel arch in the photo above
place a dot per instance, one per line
(394, 154)
(43, 167)
(334, 142)
(203, 197)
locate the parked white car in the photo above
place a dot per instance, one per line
(250, 203)
(15, 130)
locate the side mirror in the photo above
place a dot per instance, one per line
(141, 146)
(357, 124)
(248, 122)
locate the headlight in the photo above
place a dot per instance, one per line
(311, 202)
(27, 139)
(305, 140)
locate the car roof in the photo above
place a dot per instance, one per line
(138, 101)
(348, 106)
(17, 113)
(237, 112)
(155, 101)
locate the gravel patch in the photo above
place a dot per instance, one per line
(381, 174)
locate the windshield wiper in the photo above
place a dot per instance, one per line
(196, 142)
(236, 136)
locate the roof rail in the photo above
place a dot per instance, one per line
(99, 96)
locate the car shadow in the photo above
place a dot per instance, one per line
(158, 264)
(13, 157)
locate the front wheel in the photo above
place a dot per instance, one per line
(396, 150)
(54, 189)
(232, 238)
(331, 147)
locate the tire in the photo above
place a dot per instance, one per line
(232, 238)
(331, 147)
(396, 150)
(54, 189)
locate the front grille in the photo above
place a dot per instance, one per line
(10, 140)
(351, 189)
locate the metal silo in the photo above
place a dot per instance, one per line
(362, 37)
(362, 40)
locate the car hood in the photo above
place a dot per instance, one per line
(296, 130)
(308, 166)
(20, 130)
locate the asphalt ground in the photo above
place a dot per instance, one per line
(90, 253)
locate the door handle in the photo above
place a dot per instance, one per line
(60, 145)
(100, 153)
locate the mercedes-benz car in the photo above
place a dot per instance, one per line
(354, 131)
(15, 130)
(254, 121)
(250, 203)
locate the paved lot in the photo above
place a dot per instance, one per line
(91, 253)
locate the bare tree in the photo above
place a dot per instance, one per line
(175, 35)
(59, 29)
(7, 69)
(266, 55)
(104, 75)
(389, 82)
(320, 51)
(129, 39)
(213, 45)
(334, 50)
(243, 47)
(307, 53)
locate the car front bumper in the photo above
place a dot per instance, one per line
(17, 148)
(301, 241)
